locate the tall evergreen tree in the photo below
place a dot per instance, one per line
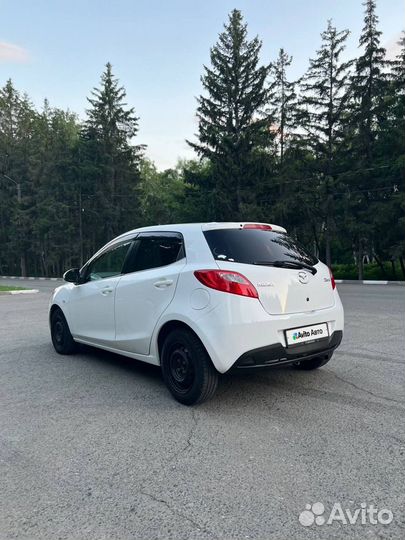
(232, 135)
(367, 119)
(282, 103)
(324, 90)
(109, 132)
(282, 117)
(369, 85)
(16, 129)
(387, 207)
(53, 172)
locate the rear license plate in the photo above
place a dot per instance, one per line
(303, 334)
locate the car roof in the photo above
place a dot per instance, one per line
(204, 226)
(190, 230)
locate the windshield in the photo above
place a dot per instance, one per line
(255, 246)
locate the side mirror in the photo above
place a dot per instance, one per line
(72, 275)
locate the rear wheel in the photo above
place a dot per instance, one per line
(187, 369)
(314, 363)
(61, 337)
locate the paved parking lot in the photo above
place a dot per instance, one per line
(93, 446)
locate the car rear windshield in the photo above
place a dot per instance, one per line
(255, 246)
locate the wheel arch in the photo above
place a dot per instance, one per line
(54, 307)
(168, 327)
(180, 322)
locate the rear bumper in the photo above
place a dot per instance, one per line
(276, 354)
(239, 325)
(231, 325)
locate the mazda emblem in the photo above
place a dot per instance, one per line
(303, 277)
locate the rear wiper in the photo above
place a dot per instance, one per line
(288, 264)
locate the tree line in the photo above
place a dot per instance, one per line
(322, 155)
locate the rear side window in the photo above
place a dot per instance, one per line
(252, 246)
(153, 251)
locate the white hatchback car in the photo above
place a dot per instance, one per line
(199, 299)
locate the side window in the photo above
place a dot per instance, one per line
(155, 251)
(109, 264)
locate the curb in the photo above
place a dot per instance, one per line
(26, 291)
(368, 282)
(31, 278)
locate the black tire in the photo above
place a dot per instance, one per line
(62, 339)
(187, 368)
(314, 363)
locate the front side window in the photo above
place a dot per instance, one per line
(109, 264)
(153, 251)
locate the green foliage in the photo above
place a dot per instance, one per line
(163, 195)
(371, 271)
(282, 106)
(110, 157)
(78, 182)
(324, 91)
(372, 143)
(232, 135)
(322, 156)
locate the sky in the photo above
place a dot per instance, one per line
(57, 49)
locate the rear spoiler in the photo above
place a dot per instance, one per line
(244, 225)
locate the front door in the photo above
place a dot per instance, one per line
(91, 304)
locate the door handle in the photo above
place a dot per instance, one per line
(162, 283)
(106, 290)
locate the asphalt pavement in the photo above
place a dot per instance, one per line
(92, 446)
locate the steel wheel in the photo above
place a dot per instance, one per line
(181, 368)
(61, 337)
(187, 369)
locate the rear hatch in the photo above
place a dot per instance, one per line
(287, 278)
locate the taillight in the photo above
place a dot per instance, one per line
(332, 279)
(227, 281)
(260, 226)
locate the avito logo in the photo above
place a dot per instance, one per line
(301, 334)
(304, 333)
(365, 514)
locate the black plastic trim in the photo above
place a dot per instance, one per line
(276, 354)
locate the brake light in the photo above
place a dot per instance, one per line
(227, 281)
(332, 279)
(260, 226)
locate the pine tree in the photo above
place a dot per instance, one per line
(282, 117)
(370, 87)
(53, 170)
(232, 135)
(324, 90)
(282, 103)
(109, 131)
(387, 208)
(16, 129)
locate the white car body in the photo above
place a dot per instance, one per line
(128, 312)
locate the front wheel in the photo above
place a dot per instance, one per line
(314, 363)
(187, 369)
(62, 339)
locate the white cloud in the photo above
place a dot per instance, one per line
(392, 47)
(12, 53)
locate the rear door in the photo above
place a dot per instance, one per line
(147, 288)
(282, 290)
